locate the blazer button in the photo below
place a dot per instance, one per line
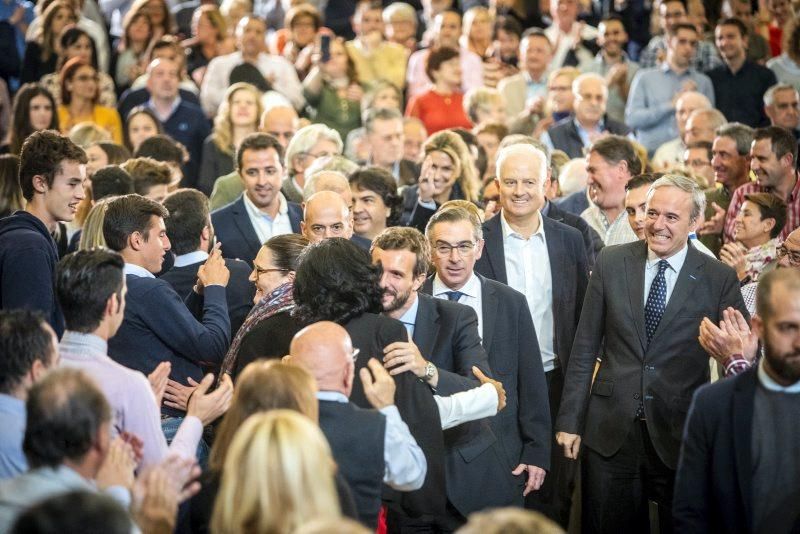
(636, 396)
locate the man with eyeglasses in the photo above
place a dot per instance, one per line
(509, 337)
(546, 261)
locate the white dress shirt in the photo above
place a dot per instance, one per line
(528, 271)
(670, 275)
(770, 384)
(471, 296)
(277, 70)
(265, 226)
(137, 270)
(191, 258)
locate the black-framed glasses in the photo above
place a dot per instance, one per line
(445, 249)
(794, 257)
(259, 271)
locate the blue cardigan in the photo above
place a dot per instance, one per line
(159, 327)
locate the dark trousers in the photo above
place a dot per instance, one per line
(616, 490)
(452, 520)
(554, 498)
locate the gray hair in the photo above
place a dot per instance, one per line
(380, 114)
(524, 150)
(769, 96)
(399, 11)
(715, 117)
(312, 183)
(307, 137)
(685, 184)
(522, 139)
(576, 83)
(455, 214)
(741, 133)
(481, 98)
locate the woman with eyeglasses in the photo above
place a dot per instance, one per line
(269, 327)
(79, 100)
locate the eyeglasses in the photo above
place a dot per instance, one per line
(259, 271)
(354, 354)
(794, 257)
(86, 78)
(445, 249)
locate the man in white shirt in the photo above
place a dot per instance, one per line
(250, 36)
(569, 36)
(611, 163)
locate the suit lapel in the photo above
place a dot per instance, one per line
(742, 415)
(634, 276)
(687, 279)
(489, 303)
(426, 326)
(556, 250)
(494, 248)
(242, 221)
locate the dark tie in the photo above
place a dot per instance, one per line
(656, 301)
(453, 296)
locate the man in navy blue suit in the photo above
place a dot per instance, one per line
(261, 211)
(739, 470)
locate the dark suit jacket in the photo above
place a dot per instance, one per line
(239, 292)
(591, 239)
(523, 428)
(564, 135)
(409, 172)
(568, 268)
(234, 229)
(575, 203)
(662, 375)
(446, 334)
(713, 486)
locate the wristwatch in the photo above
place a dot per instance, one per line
(430, 372)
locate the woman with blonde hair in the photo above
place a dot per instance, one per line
(236, 118)
(92, 231)
(278, 475)
(476, 32)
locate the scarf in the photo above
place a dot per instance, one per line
(277, 301)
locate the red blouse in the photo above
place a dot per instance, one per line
(439, 112)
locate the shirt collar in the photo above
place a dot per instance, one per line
(770, 385)
(600, 125)
(191, 258)
(529, 79)
(12, 404)
(77, 340)
(137, 270)
(253, 210)
(510, 232)
(471, 289)
(175, 104)
(410, 316)
(675, 261)
(334, 396)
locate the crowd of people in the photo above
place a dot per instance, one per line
(438, 266)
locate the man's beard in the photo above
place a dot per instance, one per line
(399, 301)
(781, 365)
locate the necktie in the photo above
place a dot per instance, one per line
(453, 296)
(656, 301)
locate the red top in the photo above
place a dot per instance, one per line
(439, 112)
(775, 40)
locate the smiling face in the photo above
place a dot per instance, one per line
(730, 42)
(265, 276)
(729, 167)
(61, 199)
(397, 281)
(153, 250)
(636, 207)
(606, 181)
(455, 268)
(612, 37)
(369, 213)
(764, 163)
(750, 228)
(669, 220)
(521, 186)
(443, 170)
(261, 175)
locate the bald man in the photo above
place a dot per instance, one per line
(670, 154)
(357, 435)
(326, 213)
(281, 122)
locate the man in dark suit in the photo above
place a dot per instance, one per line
(523, 429)
(384, 128)
(576, 132)
(544, 260)
(192, 238)
(261, 211)
(642, 315)
(446, 334)
(739, 470)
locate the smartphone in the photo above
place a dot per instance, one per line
(325, 48)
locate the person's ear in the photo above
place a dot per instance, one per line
(40, 184)
(768, 224)
(112, 305)
(136, 241)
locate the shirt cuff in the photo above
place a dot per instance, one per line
(186, 439)
(735, 364)
(431, 205)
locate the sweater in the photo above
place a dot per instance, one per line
(28, 258)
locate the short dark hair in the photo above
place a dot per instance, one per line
(731, 21)
(471, 140)
(705, 145)
(770, 207)
(781, 139)
(65, 411)
(126, 215)
(612, 17)
(23, 340)
(147, 173)
(682, 26)
(615, 148)
(111, 181)
(188, 215)
(508, 25)
(438, 56)
(383, 183)
(42, 154)
(76, 511)
(336, 281)
(788, 277)
(286, 250)
(258, 141)
(410, 239)
(85, 280)
(642, 179)
(161, 148)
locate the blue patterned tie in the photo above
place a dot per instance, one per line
(656, 301)
(453, 296)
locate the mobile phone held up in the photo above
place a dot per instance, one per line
(325, 48)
